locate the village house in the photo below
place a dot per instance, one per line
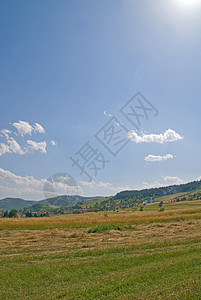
(50, 213)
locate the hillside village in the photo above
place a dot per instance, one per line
(103, 204)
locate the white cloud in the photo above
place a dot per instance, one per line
(4, 149)
(14, 147)
(106, 114)
(97, 184)
(24, 128)
(104, 184)
(168, 136)
(149, 185)
(87, 183)
(53, 143)
(21, 146)
(36, 146)
(28, 187)
(11, 147)
(64, 178)
(166, 181)
(7, 177)
(101, 188)
(173, 179)
(157, 158)
(38, 128)
(21, 192)
(6, 133)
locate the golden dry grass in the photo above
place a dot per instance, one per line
(70, 232)
(171, 197)
(88, 219)
(45, 242)
(64, 261)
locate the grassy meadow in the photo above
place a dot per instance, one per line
(107, 255)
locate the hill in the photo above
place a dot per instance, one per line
(122, 199)
(126, 199)
(159, 192)
(59, 201)
(16, 203)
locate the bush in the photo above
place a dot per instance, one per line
(105, 227)
(12, 213)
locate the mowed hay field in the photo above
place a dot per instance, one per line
(150, 255)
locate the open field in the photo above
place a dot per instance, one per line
(173, 212)
(158, 256)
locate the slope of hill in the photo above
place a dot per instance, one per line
(124, 199)
(16, 203)
(66, 200)
(59, 201)
(159, 192)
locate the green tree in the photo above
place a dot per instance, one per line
(5, 214)
(28, 214)
(12, 213)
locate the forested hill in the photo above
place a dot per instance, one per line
(158, 192)
(58, 201)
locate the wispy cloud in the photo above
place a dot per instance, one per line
(106, 114)
(158, 158)
(101, 187)
(53, 143)
(149, 185)
(173, 179)
(5, 133)
(165, 181)
(168, 136)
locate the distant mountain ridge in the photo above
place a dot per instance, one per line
(58, 201)
(16, 203)
(69, 200)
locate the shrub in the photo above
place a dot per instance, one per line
(12, 213)
(106, 227)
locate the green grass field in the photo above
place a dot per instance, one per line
(125, 255)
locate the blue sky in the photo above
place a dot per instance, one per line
(67, 68)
